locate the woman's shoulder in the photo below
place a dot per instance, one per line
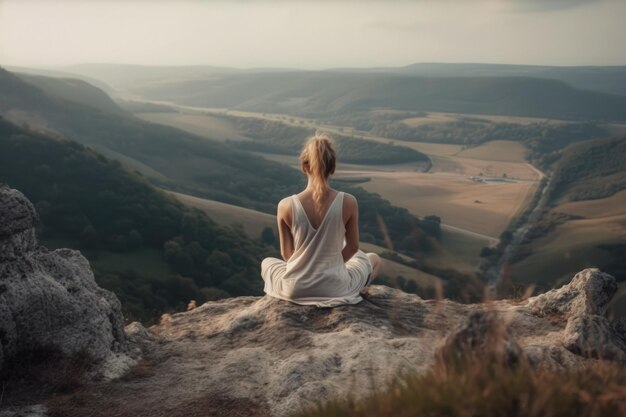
(285, 203)
(349, 200)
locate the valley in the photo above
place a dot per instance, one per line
(476, 172)
(481, 209)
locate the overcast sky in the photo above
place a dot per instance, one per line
(312, 34)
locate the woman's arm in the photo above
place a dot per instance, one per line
(283, 217)
(351, 221)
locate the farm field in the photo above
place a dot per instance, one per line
(461, 202)
(489, 168)
(253, 221)
(206, 126)
(437, 117)
(496, 150)
(603, 207)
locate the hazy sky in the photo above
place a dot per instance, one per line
(307, 34)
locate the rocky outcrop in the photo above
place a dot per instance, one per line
(263, 356)
(50, 301)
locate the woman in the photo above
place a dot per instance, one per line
(319, 239)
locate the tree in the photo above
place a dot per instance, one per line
(506, 237)
(134, 240)
(89, 237)
(268, 237)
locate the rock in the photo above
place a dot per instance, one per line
(582, 304)
(484, 336)
(589, 292)
(593, 336)
(261, 353)
(37, 410)
(17, 224)
(50, 300)
(619, 326)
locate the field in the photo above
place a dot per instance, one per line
(253, 222)
(448, 192)
(436, 117)
(603, 207)
(206, 126)
(496, 150)
(461, 202)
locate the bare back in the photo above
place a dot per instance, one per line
(349, 213)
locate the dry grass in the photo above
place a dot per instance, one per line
(458, 251)
(484, 380)
(482, 208)
(436, 117)
(603, 207)
(487, 389)
(496, 150)
(489, 168)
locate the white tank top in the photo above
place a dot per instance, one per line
(316, 270)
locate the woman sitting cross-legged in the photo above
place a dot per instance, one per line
(319, 239)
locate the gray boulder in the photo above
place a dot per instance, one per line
(589, 292)
(49, 299)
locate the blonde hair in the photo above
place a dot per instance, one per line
(318, 154)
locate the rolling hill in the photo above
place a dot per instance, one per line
(73, 90)
(320, 94)
(603, 79)
(608, 79)
(584, 223)
(578, 93)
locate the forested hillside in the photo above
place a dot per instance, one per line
(591, 170)
(92, 202)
